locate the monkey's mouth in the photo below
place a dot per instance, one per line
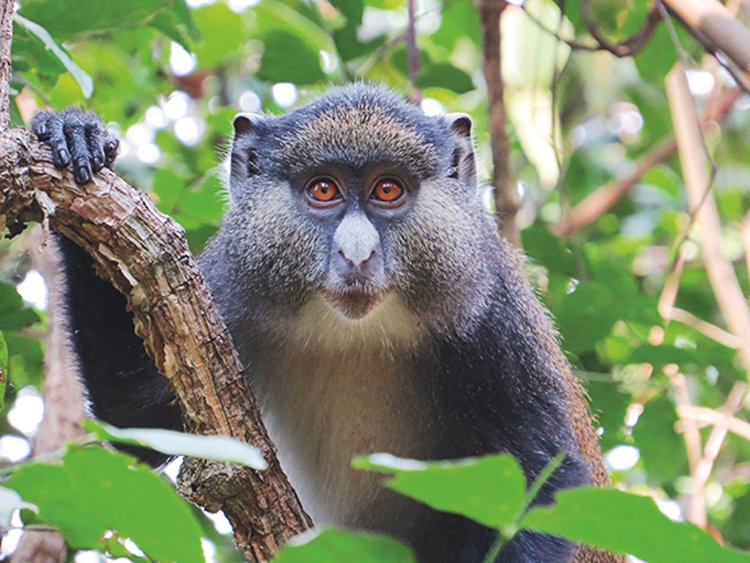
(354, 302)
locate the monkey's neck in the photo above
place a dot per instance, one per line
(330, 391)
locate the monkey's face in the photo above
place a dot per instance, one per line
(353, 199)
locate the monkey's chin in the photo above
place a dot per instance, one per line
(353, 304)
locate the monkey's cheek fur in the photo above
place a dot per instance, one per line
(353, 303)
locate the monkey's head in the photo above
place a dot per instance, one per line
(354, 200)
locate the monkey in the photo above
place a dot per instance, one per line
(375, 304)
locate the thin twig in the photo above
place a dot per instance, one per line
(7, 8)
(690, 428)
(697, 509)
(707, 416)
(413, 52)
(746, 240)
(629, 46)
(710, 330)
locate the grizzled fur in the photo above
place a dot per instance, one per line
(459, 359)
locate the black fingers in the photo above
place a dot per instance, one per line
(49, 128)
(76, 137)
(80, 154)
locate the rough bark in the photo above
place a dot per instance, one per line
(145, 256)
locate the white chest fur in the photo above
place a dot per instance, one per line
(339, 388)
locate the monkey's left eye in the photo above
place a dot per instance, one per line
(387, 191)
(323, 192)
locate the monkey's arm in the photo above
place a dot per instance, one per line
(503, 390)
(122, 383)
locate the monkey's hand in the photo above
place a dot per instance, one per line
(78, 138)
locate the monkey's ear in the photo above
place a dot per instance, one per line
(244, 157)
(463, 165)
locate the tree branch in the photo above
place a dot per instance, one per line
(507, 200)
(711, 20)
(605, 197)
(413, 52)
(7, 7)
(693, 159)
(145, 256)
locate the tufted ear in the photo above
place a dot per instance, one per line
(244, 156)
(463, 165)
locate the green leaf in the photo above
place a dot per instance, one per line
(549, 250)
(36, 30)
(445, 75)
(168, 187)
(338, 546)
(95, 490)
(13, 313)
(662, 449)
(179, 443)
(352, 10)
(221, 32)
(349, 47)
(287, 58)
(177, 24)
(459, 20)
(68, 19)
(489, 490)
(586, 316)
(26, 360)
(627, 523)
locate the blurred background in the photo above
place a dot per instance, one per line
(604, 214)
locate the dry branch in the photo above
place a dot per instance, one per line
(145, 256)
(605, 197)
(507, 200)
(711, 20)
(702, 471)
(694, 163)
(413, 52)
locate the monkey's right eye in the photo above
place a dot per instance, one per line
(322, 192)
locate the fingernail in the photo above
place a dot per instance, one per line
(82, 176)
(41, 131)
(63, 156)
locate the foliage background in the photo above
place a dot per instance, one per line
(169, 76)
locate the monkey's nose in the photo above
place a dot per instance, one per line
(356, 269)
(356, 263)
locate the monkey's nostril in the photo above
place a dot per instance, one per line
(348, 262)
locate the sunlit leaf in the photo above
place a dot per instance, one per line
(94, 490)
(627, 523)
(179, 443)
(489, 490)
(41, 34)
(338, 546)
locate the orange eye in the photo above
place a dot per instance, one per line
(323, 190)
(387, 191)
